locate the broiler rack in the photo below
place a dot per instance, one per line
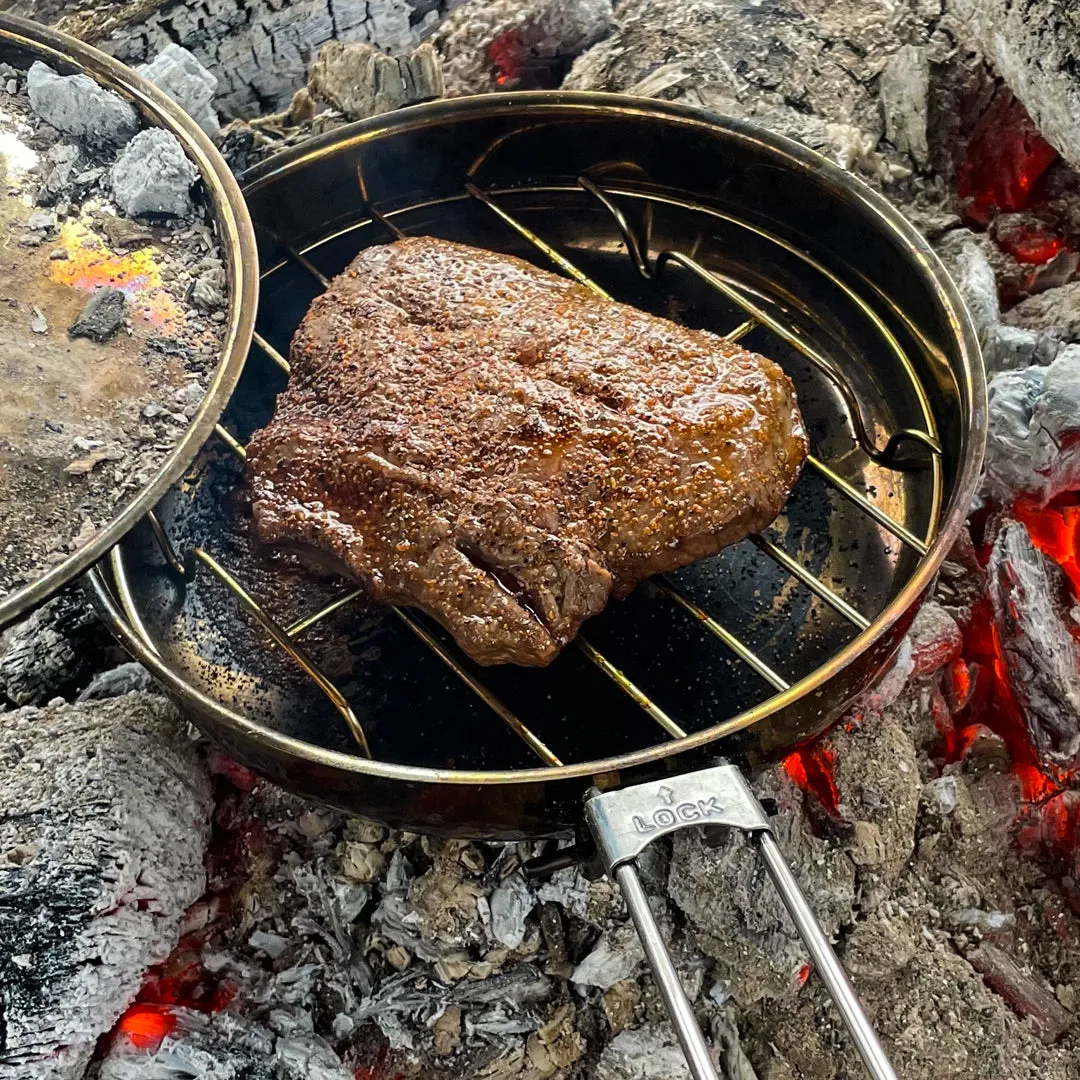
(288, 637)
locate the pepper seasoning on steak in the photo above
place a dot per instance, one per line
(467, 434)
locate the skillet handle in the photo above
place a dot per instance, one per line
(624, 822)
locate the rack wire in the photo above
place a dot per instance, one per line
(286, 637)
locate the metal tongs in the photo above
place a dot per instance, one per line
(625, 821)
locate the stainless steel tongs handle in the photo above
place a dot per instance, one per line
(626, 821)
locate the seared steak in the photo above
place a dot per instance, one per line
(467, 434)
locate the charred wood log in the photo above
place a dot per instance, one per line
(1035, 47)
(54, 651)
(1030, 999)
(1033, 612)
(360, 81)
(259, 50)
(104, 826)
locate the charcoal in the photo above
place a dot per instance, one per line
(935, 639)
(965, 258)
(1034, 47)
(1034, 1002)
(187, 82)
(510, 903)
(1055, 309)
(153, 176)
(646, 1053)
(880, 805)
(360, 81)
(223, 1046)
(905, 90)
(1033, 607)
(258, 50)
(52, 651)
(723, 889)
(123, 679)
(616, 956)
(105, 829)
(788, 65)
(60, 166)
(1010, 348)
(1034, 416)
(489, 45)
(77, 106)
(102, 316)
(209, 292)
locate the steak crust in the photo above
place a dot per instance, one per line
(491, 443)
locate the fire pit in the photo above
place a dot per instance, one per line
(933, 829)
(774, 276)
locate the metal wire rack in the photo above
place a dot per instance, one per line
(288, 637)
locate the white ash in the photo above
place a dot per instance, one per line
(1033, 416)
(489, 45)
(1056, 309)
(647, 1053)
(1034, 48)
(905, 92)
(223, 1046)
(153, 175)
(105, 829)
(187, 82)
(1032, 611)
(77, 106)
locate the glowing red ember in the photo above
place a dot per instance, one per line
(1005, 156)
(145, 1025)
(506, 52)
(1055, 530)
(813, 768)
(1031, 244)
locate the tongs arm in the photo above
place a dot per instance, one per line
(625, 821)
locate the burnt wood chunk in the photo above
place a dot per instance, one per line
(1031, 1000)
(493, 444)
(103, 830)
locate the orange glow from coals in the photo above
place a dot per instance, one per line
(1004, 159)
(1055, 530)
(804, 974)
(1031, 245)
(813, 769)
(504, 52)
(145, 1026)
(993, 703)
(1052, 829)
(91, 264)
